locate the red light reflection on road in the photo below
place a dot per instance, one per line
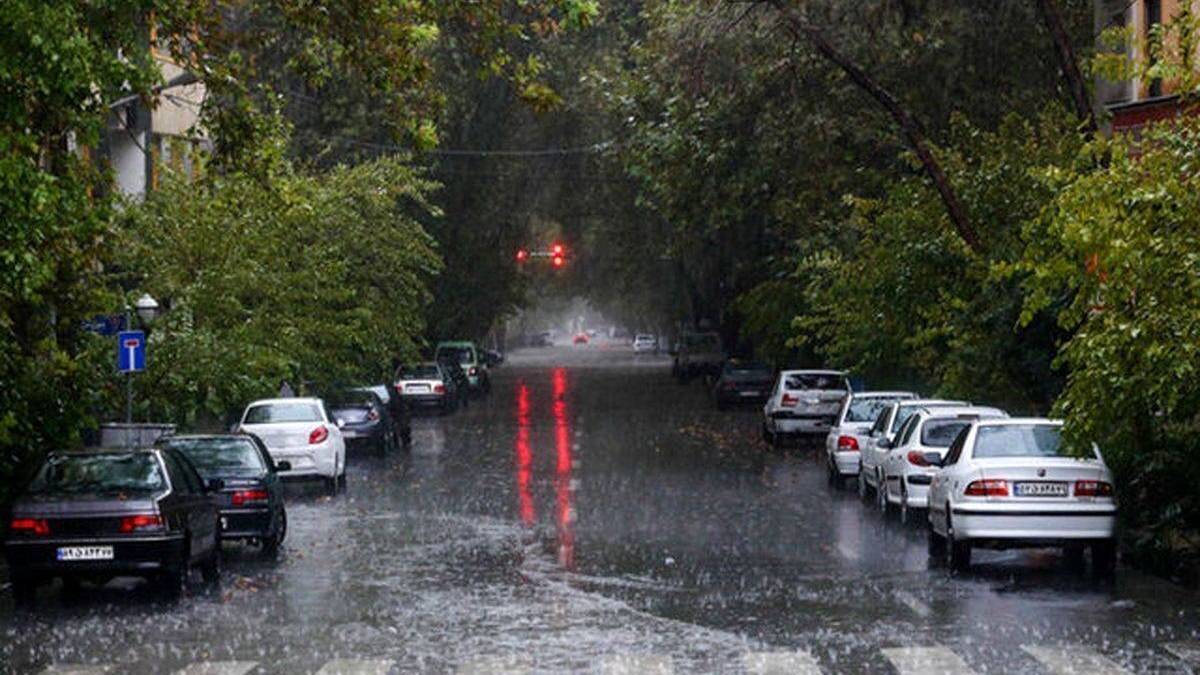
(524, 455)
(562, 480)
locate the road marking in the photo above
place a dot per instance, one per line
(219, 668)
(68, 669)
(927, 661)
(637, 664)
(1074, 660)
(355, 667)
(1185, 651)
(908, 600)
(780, 663)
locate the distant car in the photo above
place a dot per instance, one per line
(96, 515)
(698, 354)
(850, 430)
(250, 501)
(543, 339)
(397, 408)
(301, 432)
(803, 403)
(885, 428)
(365, 421)
(743, 382)
(580, 339)
(644, 343)
(470, 358)
(920, 445)
(493, 357)
(462, 384)
(1011, 483)
(427, 385)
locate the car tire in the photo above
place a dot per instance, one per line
(1104, 558)
(881, 500)
(173, 581)
(271, 544)
(862, 485)
(210, 570)
(937, 544)
(330, 485)
(958, 552)
(777, 440)
(24, 590)
(1073, 558)
(766, 434)
(904, 512)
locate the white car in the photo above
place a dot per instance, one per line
(644, 343)
(803, 402)
(301, 432)
(920, 445)
(1010, 483)
(849, 433)
(885, 427)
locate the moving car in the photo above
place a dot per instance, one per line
(849, 433)
(885, 428)
(803, 403)
(1012, 483)
(920, 445)
(427, 385)
(365, 421)
(644, 343)
(467, 355)
(580, 339)
(397, 407)
(301, 432)
(250, 499)
(743, 382)
(96, 515)
(698, 354)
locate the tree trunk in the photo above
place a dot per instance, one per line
(911, 129)
(1068, 63)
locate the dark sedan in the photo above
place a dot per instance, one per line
(743, 382)
(364, 420)
(251, 496)
(103, 514)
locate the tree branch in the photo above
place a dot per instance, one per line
(909, 126)
(1068, 64)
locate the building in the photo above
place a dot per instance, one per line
(1137, 102)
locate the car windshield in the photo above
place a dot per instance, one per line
(867, 409)
(107, 473)
(425, 371)
(747, 368)
(941, 433)
(459, 354)
(277, 413)
(219, 457)
(1019, 440)
(819, 381)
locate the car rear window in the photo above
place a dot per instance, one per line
(107, 473)
(907, 411)
(867, 409)
(751, 368)
(1019, 440)
(216, 457)
(425, 371)
(941, 433)
(816, 381)
(461, 354)
(272, 413)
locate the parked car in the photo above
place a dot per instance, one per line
(644, 343)
(803, 403)
(427, 385)
(365, 421)
(885, 428)
(1012, 483)
(96, 515)
(698, 354)
(493, 357)
(851, 427)
(398, 409)
(250, 500)
(743, 382)
(580, 339)
(301, 432)
(468, 356)
(920, 445)
(462, 384)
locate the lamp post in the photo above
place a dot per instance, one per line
(147, 310)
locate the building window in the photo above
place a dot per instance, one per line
(1153, 18)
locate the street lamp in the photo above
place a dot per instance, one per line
(147, 308)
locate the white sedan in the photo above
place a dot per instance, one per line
(1012, 483)
(870, 474)
(803, 403)
(645, 343)
(849, 434)
(920, 446)
(301, 432)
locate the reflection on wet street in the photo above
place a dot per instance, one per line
(594, 515)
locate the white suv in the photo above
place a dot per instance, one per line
(301, 432)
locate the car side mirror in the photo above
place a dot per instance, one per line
(283, 465)
(214, 485)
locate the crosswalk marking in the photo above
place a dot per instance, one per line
(780, 663)
(219, 668)
(1188, 652)
(69, 669)
(637, 664)
(927, 661)
(355, 667)
(1073, 660)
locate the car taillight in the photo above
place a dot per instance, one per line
(248, 497)
(141, 523)
(439, 388)
(847, 444)
(318, 435)
(789, 400)
(987, 488)
(917, 458)
(35, 526)
(1093, 488)
(473, 371)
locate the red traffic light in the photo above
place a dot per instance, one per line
(522, 255)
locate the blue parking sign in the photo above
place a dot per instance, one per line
(131, 351)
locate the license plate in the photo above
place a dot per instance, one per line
(69, 553)
(749, 393)
(1040, 489)
(350, 434)
(418, 388)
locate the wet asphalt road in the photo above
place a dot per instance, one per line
(592, 515)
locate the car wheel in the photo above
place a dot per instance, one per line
(959, 552)
(903, 502)
(270, 545)
(1073, 558)
(24, 590)
(831, 472)
(173, 581)
(766, 435)
(777, 440)
(330, 485)
(1104, 558)
(881, 495)
(937, 544)
(862, 484)
(210, 570)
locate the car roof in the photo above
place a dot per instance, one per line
(197, 437)
(294, 399)
(455, 343)
(1022, 421)
(939, 412)
(884, 394)
(813, 372)
(940, 402)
